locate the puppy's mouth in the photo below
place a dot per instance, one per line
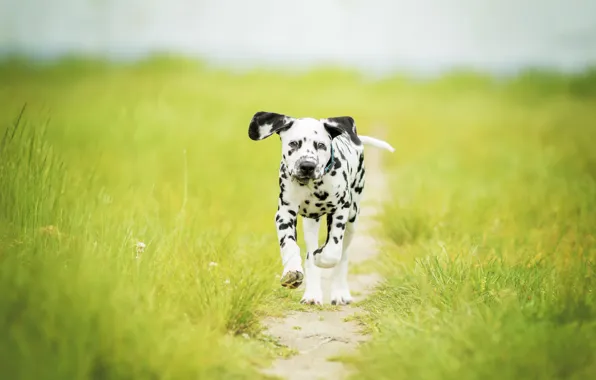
(305, 178)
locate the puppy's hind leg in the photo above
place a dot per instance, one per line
(340, 289)
(313, 293)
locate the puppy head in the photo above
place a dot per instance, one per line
(306, 142)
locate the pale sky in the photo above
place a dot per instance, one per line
(372, 35)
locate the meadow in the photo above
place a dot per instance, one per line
(490, 235)
(137, 236)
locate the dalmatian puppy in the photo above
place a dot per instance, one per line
(321, 175)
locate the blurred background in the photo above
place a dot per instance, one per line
(375, 36)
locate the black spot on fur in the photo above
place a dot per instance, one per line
(322, 196)
(333, 173)
(318, 204)
(353, 219)
(292, 212)
(360, 162)
(340, 225)
(339, 217)
(329, 224)
(307, 201)
(362, 172)
(336, 240)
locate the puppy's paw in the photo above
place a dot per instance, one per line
(312, 297)
(341, 296)
(292, 279)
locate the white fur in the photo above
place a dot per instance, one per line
(376, 142)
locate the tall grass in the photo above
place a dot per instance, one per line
(96, 164)
(490, 261)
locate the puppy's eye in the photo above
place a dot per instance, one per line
(293, 144)
(321, 146)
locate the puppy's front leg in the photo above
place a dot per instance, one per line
(286, 219)
(329, 255)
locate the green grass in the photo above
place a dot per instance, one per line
(491, 240)
(491, 223)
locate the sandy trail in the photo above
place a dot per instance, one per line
(321, 335)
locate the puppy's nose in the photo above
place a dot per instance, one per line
(307, 167)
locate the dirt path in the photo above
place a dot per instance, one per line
(321, 335)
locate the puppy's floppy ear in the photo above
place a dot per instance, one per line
(338, 125)
(264, 124)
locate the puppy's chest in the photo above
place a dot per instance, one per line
(318, 200)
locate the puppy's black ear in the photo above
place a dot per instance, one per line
(264, 124)
(342, 124)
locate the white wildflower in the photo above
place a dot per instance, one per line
(213, 264)
(140, 247)
(227, 281)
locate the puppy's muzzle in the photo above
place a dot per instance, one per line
(305, 169)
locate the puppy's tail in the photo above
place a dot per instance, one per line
(376, 142)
